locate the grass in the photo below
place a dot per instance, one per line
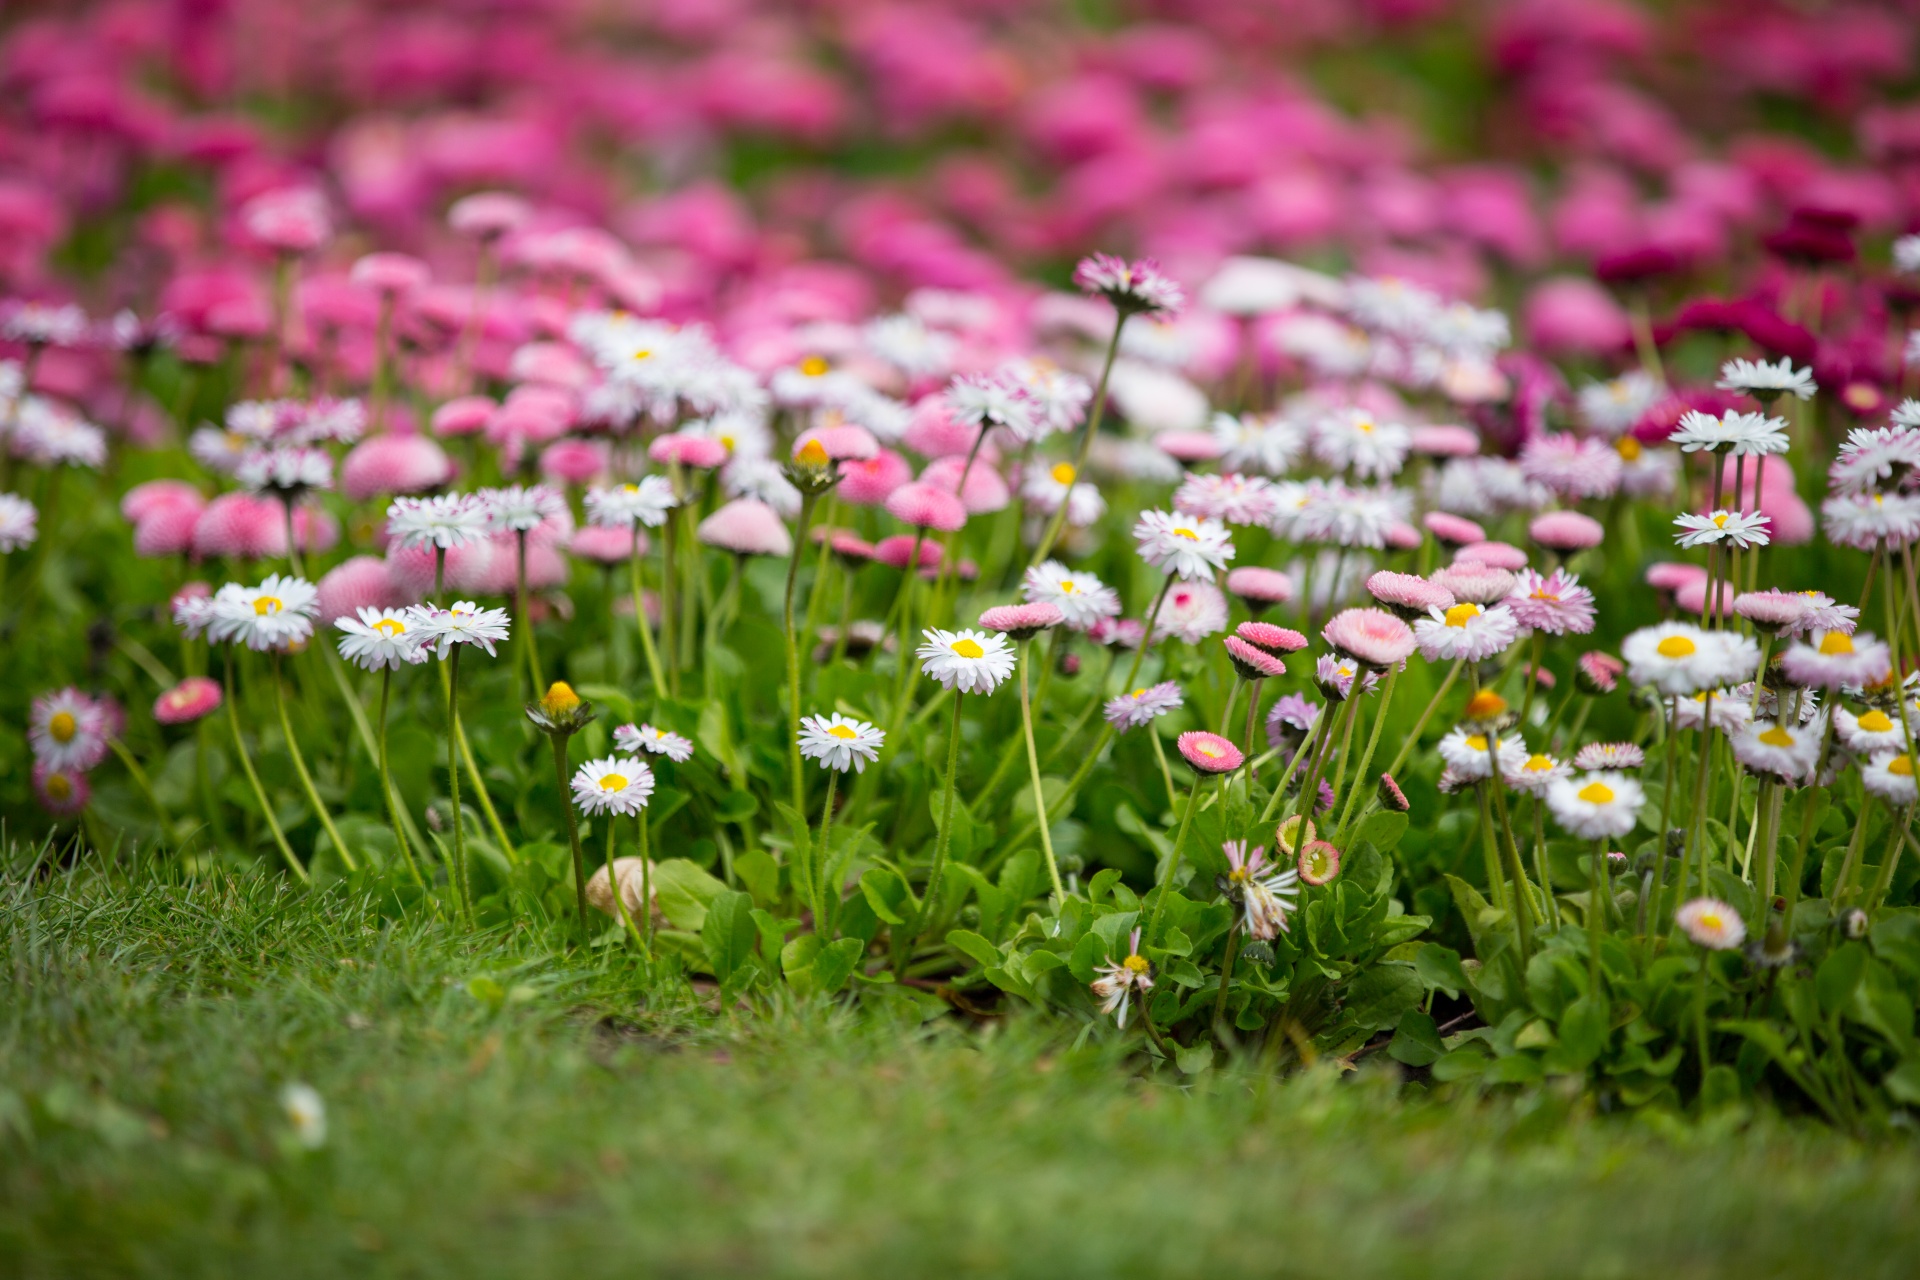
(498, 1108)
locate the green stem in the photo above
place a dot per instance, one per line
(386, 780)
(1366, 757)
(1033, 768)
(820, 922)
(929, 910)
(1160, 754)
(300, 769)
(793, 660)
(253, 781)
(461, 883)
(1173, 861)
(140, 780)
(1091, 428)
(645, 830)
(559, 742)
(641, 621)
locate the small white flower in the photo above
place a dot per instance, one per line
(1142, 706)
(1870, 732)
(1536, 772)
(988, 400)
(275, 615)
(445, 521)
(68, 731)
(840, 742)
(1730, 713)
(1119, 979)
(465, 623)
(659, 742)
(1712, 924)
(1047, 487)
(1740, 529)
(1702, 431)
(1889, 775)
(1765, 381)
(615, 784)
(18, 523)
(1268, 445)
(1466, 752)
(1788, 752)
(618, 507)
(1679, 658)
(1353, 439)
(967, 660)
(1612, 408)
(285, 469)
(1185, 546)
(306, 1113)
(521, 508)
(380, 639)
(1081, 598)
(906, 343)
(1596, 806)
(1465, 631)
(1906, 255)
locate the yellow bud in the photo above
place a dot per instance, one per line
(812, 454)
(560, 699)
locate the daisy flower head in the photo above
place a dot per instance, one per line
(1134, 288)
(1711, 923)
(1191, 612)
(1537, 772)
(967, 661)
(1612, 408)
(1722, 709)
(1767, 382)
(1787, 752)
(1824, 614)
(1869, 732)
(1251, 662)
(1081, 598)
(1889, 775)
(68, 730)
(380, 639)
(288, 470)
(1233, 498)
(660, 742)
(1572, 467)
(446, 521)
(1473, 581)
(274, 616)
(1608, 757)
(1554, 603)
(1408, 594)
(1266, 892)
(1143, 706)
(61, 792)
(1865, 521)
(521, 508)
(1874, 458)
(1119, 979)
(1566, 531)
(1598, 673)
(1834, 659)
(988, 400)
(1771, 612)
(1596, 806)
(18, 521)
(465, 623)
(1737, 528)
(1259, 589)
(1267, 445)
(1466, 631)
(624, 505)
(1290, 717)
(1451, 530)
(1373, 636)
(1678, 658)
(1185, 546)
(1358, 441)
(615, 785)
(1045, 488)
(1021, 621)
(192, 699)
(840, 742)
(1336, 677)
(1470, 753)
(1209, 752)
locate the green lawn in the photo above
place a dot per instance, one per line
(558, 1118)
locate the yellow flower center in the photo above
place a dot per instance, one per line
(1063, 473)
(1486, 705)
(1461, 614)
(1676, 647)
(1068, 586)
(1900, 766)
(1834, 643)
(843, 732)
(814, 366)
(727, 442)
(1711, 921)
(1365, 426)
(59, 787)
(812, 454)
(1875, 722)
(1138, 693)
(1628, 448)
(1720, 519)
(968, 648)
(630, 488)
(266, 606)
(63, 726)
(1187, 533)
(560, 698)
(1210, 751)
(1539, 764)
(642, 354)
(390, 627)
(1135, 964)
(1777, 737)
(613, 782)
(1596, 793)
(1477, 741)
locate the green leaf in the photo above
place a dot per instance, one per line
(1195, 1058)
(728, 932)
(883, 891)
(760, 873)
(1460, 1064)
(773, 932)
(683, 891)
(1383, 830)
(1379, 997)
(1416, 1041)
(834, 965)
(1087, 956)
(1102, 881)
(1584, 1027)
(609, 698)
(797, 957)
(737, 806)
(974, 947)
(1439, 967)
(1839, 974)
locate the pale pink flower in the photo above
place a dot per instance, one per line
(1372, 636)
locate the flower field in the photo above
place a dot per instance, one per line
(1294, 559)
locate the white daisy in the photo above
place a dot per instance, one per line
(1729, 714)
(615, 785)
(1536, 772)
(18, 523)
(1047, 487)
(1269, 445)
(1596, 806)
(1680, 658)
(306, 1114)
(1119, 979)
(1765, 381)
(1889, 775)
(445, 521)
(1184, 546)
(68, 731)
(1142, 706)
(966, 660)
(1906, 255)
(1232, 498)
(1612, 408)
(906, 343)
(1865, 520)
(1788, 752)
(840, 742)
(1702, 431)
(465, 623)
(1740, 529)
(380, 639)
(1059, 398)
(1356, 440)
(660, 742)
(988, 400)
(521, 508)
(275, 615)
(51, 437)
(1711, 924)
(1873, 458)
(1267, 892)
(1466, 752)
(1868, 733)
(285, 469)
(1467, 631)
(1081, 598)
(620, 506)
